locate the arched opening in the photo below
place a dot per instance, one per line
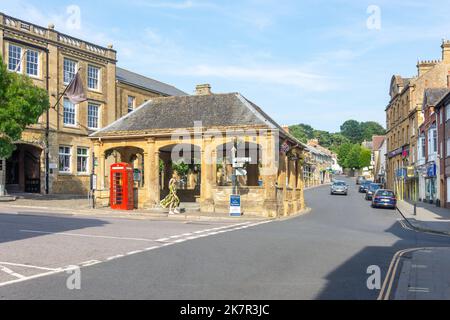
(249, 175)
(185, 159)
(23, 169)
(131, 155)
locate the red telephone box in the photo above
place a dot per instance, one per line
(121, 187)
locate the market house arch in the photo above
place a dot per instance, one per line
(207, 122)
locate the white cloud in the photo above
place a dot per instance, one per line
(291, 76)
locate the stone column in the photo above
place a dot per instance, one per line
(207, 184)
(269, 173)
(151, 162)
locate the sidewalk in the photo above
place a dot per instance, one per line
(424, 275)
(429, 218)
(71, 205)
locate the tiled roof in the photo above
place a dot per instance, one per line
(433, 95)
(138, 80)
(176, 112)
(377, 142)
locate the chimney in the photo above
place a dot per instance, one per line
(203, 89)
(424, 66)
(446, 51)
(285, 128)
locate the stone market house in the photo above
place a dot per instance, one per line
(199, 132)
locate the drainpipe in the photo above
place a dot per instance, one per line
(47, 133)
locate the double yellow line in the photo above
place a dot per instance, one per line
(388, 283)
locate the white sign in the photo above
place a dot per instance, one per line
(53, 166)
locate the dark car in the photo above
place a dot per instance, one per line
(385, 199)
(364, 186)
(373, 187)
(339, 187)
(360, 180)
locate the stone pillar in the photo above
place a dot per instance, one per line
(206, 191)
(151, 171)
(269, 173)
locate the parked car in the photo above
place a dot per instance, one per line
(360, 180)
(373, 187)
(364, 186)
(384, 198)
(339, 187)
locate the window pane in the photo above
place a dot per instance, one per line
(93, 116)
(93, 76)
(69, 113)
(32, 63)
(15, 54)
(82, 159)
(131, 103)
(69, 70)
(64, 159)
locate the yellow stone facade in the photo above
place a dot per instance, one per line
(404, 116)
(111, 97)
(281, 193)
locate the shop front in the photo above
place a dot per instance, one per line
(431, 184)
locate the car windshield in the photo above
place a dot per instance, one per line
(385, 193)
(367, 183)
(374, 187)
(340, 184)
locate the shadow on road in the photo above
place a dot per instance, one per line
(349, 280)
(14, 227)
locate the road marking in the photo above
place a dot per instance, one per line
(419, 266)
(386, 289)
(10, 272)
(90, 263)
(87, 235)
(50, 271)
(27, 266)
(423, 290)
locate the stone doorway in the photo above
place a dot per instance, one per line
(23, 170)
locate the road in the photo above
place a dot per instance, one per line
(322, 255)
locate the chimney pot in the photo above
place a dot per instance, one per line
(203, 89)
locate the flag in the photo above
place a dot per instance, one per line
(75, 90)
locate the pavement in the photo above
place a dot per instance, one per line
(428, 218)
(326, 254)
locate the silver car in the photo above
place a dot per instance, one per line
(339, 187)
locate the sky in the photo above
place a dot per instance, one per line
(318, 62)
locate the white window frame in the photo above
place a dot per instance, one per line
(85, 157)
(96, 77)
(75, 114)
(96, 105)
(133, 106)
(72, 73)
(65, 154)
(16, 59)
(28, 63)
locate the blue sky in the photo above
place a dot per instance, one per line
(311, 61)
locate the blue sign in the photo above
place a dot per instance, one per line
(235, 206)
(431, 170)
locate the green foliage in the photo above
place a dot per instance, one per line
(302, 132)
(181, 167)
(353, 156)
(357, 132)
(21, 104)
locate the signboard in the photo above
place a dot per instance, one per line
(53, 166)
(93, 182)
(240, 162)
(137, 175)
(235, 206)
(395, 153)
(411, 172)
(431, 171)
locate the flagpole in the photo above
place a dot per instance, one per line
(47, 130)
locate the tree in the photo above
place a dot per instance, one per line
(21, 104)
(353, 160)
(365, 158)
(371, 129)
(342, 153)
(302, 132)
(351, 129)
